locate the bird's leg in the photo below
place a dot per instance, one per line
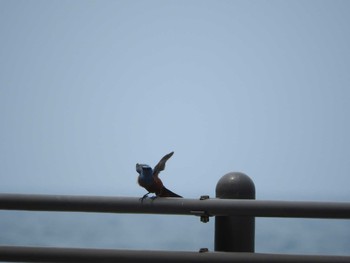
(144, 196)
(153, 197)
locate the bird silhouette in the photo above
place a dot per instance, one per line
(148, 178)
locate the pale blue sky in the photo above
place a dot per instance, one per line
(89, 88)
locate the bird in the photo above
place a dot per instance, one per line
(149, 179)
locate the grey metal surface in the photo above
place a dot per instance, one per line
(42, 254)
(180, 206)
(235, 233)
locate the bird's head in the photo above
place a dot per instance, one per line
(141, 168)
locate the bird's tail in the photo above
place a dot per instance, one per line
(167, 193)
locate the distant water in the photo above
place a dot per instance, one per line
(165, 232)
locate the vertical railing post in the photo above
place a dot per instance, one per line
(235, 233)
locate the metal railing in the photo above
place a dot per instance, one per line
(234, 224)
(35, 254)
(175, 206)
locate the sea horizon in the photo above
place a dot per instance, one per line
(165, 232)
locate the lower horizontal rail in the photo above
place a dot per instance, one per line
(44, 254)
(179, 206)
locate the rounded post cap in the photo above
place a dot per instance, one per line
(235, 185)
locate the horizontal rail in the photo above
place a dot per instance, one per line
(44, 254)
(179, 206)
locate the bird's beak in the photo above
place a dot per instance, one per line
(138, 168)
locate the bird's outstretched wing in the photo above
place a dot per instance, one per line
(161, 165)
